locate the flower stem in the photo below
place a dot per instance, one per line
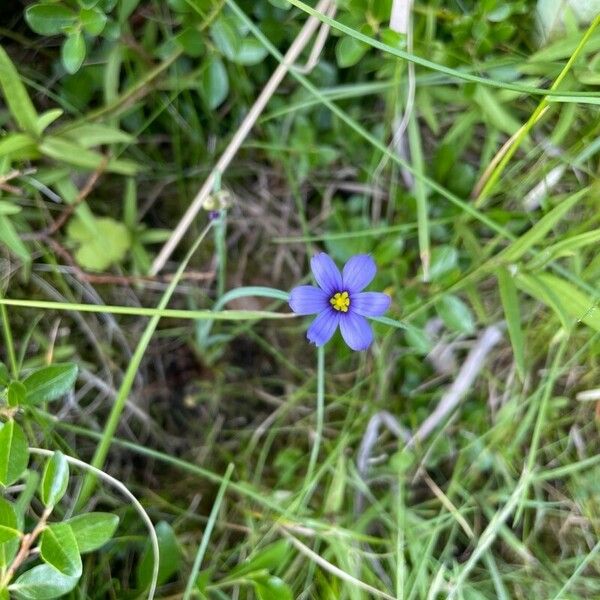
(314, 453)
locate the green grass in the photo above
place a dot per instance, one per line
(199, 392)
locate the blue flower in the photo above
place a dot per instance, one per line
(339, 300)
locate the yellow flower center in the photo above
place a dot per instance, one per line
(340, 301)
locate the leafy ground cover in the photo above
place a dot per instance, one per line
(168, 403)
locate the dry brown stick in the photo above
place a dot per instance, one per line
(311, 25)
(26, 542)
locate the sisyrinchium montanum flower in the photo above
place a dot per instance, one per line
(340, 300)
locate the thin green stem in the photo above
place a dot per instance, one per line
(103, 447)
(8, 339)
(314, 453)
(212, 519)
(198, 315)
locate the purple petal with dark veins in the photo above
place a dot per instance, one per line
(369, 304)
(326, 273)
(323, 327)
(358, 273)
(308, 300)
(356, 331)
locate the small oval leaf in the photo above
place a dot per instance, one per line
(14, 453)
(59, 548)
(93, 530)
(55, 479)
(49, 383)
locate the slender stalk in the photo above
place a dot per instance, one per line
(212, 519)
(314, 453)
(99, 458)
(8, 339)
(165, 313)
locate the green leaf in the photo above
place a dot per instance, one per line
(10, 238)
(58, 548)
(47, 118)
(65, 150)
(16, 393)
(93, 530)
(456, 314)
(8, 522)
(73, 52)
(51, 382)
(92, 20)
(42, 583)
(570, 304)
(226, 38)
(13, 144)
(348, 51)
(4, 375)
(510, 304)
(170, 557)
(89, 135)
(443, 260)
(191, 41)
(99, 251)
(272, 588)
(49, 19)
(539, 231)
(270, 558)
(14, 453)
(17, 99)
(250, 52)
(215, 81)
(55, 479)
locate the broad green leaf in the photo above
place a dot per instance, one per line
(47, 118)
(55, 479)
(348, 51)
(272, 588)
(251, 52)
(510, 304)
(8, 522)
(226, 38)
(269, 558)
(49, 19)
(99, 251)
(443, 260)
(456, 314)
(190, 40)
(51, 382)
(16, 393)
(570, 303)
(14, 453)
(42, 583)
(539, 231)
(73, 52)
(215, 81)
(93, 530)
(13, 144)
(89, 135)
(58, 548)
(170, 557)
(92, 20)
(65, 150)
(10, 238)
(17, 99)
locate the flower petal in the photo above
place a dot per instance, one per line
(370, 304)
(356, 331)
(326, 273)
(308, 300)
(358, 273)
(323, 327)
